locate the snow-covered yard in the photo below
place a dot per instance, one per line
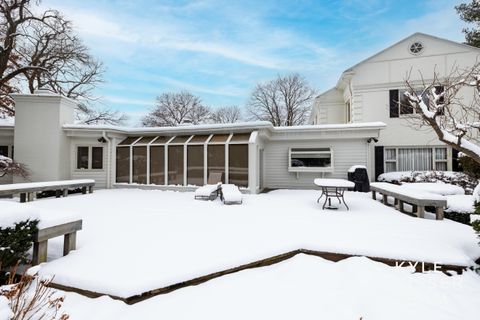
(137, 240)
(304, 287)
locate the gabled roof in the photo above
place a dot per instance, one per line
(416, 34)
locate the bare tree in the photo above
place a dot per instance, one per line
(230, 114)
(453, 117)
(12, 168)
(13, 15)
(172, 109)
(46, 53)
(284, 101)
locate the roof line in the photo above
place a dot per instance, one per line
(410, 36)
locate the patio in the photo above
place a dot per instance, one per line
(138, 240)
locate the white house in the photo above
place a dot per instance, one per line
(371, 91)
(252, 155)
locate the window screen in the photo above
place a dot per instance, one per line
(195, 165)
(238, 164)
(175, 165)
(139, 165)
(123, 165)
(157, 165)
(216, 159)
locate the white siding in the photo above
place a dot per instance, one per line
(345, 154)
(100, 176)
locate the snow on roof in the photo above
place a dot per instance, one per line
(7, 122)
(339, 126)
(239, 125)
(230, 126)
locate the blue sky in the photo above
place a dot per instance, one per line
(220, 49)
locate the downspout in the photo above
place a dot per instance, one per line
(104, 135)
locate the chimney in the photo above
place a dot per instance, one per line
(39, 141)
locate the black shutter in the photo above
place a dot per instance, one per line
(455, 162)
(378, 161)
(394, 103)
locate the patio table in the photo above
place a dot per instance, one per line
(333, 188)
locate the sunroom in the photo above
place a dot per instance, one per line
(184, 160)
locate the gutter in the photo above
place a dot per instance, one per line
(109, 142)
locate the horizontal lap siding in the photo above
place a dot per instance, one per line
(346, 153)
(100, 176)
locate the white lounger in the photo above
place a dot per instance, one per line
(208, 192)
(230, 194)
(211, 190)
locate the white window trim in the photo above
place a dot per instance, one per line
(434, 159)
(89, 169)
(311, 169)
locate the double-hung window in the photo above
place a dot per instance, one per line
(310, 160)
(89, 158)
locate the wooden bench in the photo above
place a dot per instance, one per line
(27, 190)
(40, 240)
(418, 199)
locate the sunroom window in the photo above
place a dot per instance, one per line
(310, 159)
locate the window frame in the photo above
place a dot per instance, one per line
(400, 93)
(90, 158)
(434, 159)
(311, 169)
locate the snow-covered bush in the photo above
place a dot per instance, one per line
(460, 217)
(460, 179)
(12, 168)
(15, 241)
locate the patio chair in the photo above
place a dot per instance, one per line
(230, 194)
(211, 190)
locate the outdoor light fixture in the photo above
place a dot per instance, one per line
(372, 139)
(101, 140)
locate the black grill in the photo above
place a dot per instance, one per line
(360, 178)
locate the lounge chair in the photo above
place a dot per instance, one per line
(211, 190)
(230, 194)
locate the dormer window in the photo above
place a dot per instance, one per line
(416, 48)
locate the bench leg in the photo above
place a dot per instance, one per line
(439, 213)
(90, 189)
(30, 196)
(39, 252)
(65, 193)
(374, 195)
(58, 193)
(420, 211)
(385, 200)
(69, 242)
(400, 206)
(23, 197)
(84, 190)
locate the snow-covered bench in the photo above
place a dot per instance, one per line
(230, 194)
(418, 199)
(40, 240)
(27, 190)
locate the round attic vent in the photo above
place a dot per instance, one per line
(416, 48)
